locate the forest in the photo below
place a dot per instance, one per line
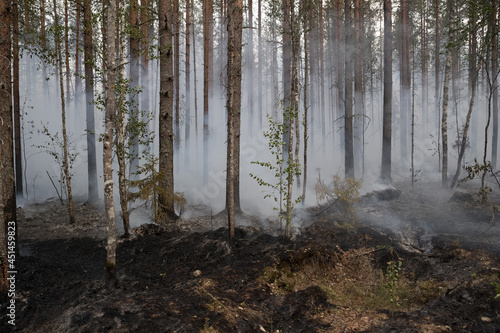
(249, 165)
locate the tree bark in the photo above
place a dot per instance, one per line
(93, 196)
(16, 100)
(234, 49)
(348, 135)
(177, 78)
(207, 78)
(444, 119)
(494, 76)
(66, 162)
(188, 83)
(166, 107)
(134, 42)
(387, 113)
(7, 186)
(405, 81)
(108, 144)
(144, 16)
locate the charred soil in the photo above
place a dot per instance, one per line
(415, 263)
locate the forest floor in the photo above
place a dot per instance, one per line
(417, 263)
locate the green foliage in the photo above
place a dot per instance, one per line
(283, 168)
(496, 285)
(344, 192)
(150, 189)
(392, 278)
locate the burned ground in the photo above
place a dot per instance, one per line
(417, 263)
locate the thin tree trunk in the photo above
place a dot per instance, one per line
(120, 124)
(405, 82)
(195, 83)
(306, 61)
(348, 135)
(66, 50)
(436, 75)
(207, 52)
(494, 73)
(108, 144)
(177, 78)
(134, 41)
(166, 107)
(250, 67)
(144, 16)
(261, 65)
(89, 98)
(358, 77)
(188, 85)
(387, 113)
(77, 55)
(463, 144)
(444, 121)
(66, 162)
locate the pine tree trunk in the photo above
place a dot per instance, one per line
(16, 100)
(405, 81)
(348, 135)
(7, 186)
(134, 41)
(358, 78)
(234, 51)
(387, 113)
(166, 109)
(177, 78)
(145, 61)
(494, 75)
(66, 162)
(66, 50)
(207, 52)
(188, 84)
(108, 144)
(261, 66)
(250, 67)
(306, 126)
(89, 98)
(77, 55)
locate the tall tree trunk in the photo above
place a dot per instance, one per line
(77, 55)
(358, 80)
(145, 59)
(120, 122)
(7, 185)
(134, 83)
(89, 99)
(444, 119)
(235, 25)
(177, 77)
(195, 79)
(261, 65)
(250, 67)
(108, 144)
(66, 50)
(348, 135)
(17, 108)
(405, 81)
(66, 162)
(387, 114)
(207, 78)
(166, 107)
(306, 61)
(321, 72)
(494, 75)
(436, 73)
(423, 57)
(188, 84)
(463, 144)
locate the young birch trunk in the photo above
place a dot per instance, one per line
(67, 174)
(108, 144)
(120, 128)
(444, 119)
(464, 135)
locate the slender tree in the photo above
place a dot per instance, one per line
(65, 161)
(166, 163)
(494, 71)
(348, 135)
(188, 82)
(387, 113)
(134, 44)
(108, 143)
(89, 102)
(207, 78)
(444, 119)
(405, 80)
(234, 48)
(177, 52)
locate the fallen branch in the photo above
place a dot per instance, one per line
(57, 191)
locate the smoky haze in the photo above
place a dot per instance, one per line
(262, 85)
